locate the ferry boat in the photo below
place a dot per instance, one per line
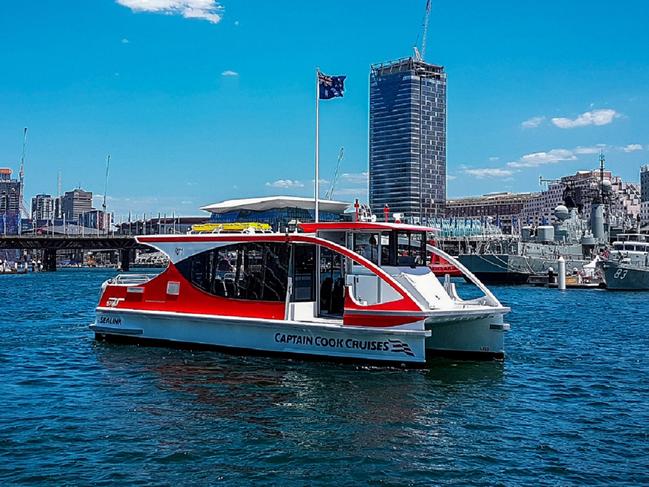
(359, 291)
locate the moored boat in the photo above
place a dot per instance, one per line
(626, 267)
(358, 291)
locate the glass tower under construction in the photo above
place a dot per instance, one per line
(408, 139)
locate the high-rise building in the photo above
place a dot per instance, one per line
(408, 139)
(42, 207)
(10, 193)
(644, 195)
(75, 203)
(10, 198)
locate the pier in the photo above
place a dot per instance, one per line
(51, 244)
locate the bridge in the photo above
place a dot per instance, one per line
(50, 244)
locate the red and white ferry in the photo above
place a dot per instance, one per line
(347, 290)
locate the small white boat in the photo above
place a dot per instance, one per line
(357, 291)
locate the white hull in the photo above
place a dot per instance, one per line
(482, 337)
(371, 345)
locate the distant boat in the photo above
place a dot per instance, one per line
(627, 265)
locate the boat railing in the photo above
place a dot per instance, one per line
(489, 299)
(130, 279)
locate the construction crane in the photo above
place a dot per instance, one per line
(103, 206)
(21, 176)
(330, 192)
(421, 55)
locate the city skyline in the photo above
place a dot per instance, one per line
(214, 103)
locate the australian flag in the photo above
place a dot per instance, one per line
(330, 86)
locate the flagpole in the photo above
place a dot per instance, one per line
(317, 145)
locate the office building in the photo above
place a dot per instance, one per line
(75, 203)
(408, 139)
(10, 200)
(42, 207)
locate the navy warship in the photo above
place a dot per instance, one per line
(535, 252)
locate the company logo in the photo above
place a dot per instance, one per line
(399, 346)
(179, 250)
(390, 345)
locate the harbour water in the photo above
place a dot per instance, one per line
(569, 405)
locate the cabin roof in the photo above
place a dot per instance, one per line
(378, 226)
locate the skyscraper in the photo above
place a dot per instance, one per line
(42, 207)
(10, 199)
(408, 138)
(75, 203)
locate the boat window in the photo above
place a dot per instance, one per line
(411, 249)
(388, 251)
(304, 273)
(618, 246)
(253, 271)
(332, 283)
(367, 245)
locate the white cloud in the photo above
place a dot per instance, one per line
(210, 10)
(594, 117)
(633, 148)
(494, 158)
(596, 149)
(285, 183)
(450, 177)
(125, 41)
(532, 123)
(489, 172)
(355, 178)
(229, 73)
(536, 159)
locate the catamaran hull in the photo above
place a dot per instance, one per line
(360, 344)
(480, 338)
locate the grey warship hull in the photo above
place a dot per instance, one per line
(512, 268)
(625, 277)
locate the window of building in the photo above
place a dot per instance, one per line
(252, 271)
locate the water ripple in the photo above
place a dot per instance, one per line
(570, 405)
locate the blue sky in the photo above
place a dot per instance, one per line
(199, 101)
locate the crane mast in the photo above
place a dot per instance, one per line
(425, 30)
(103, 206)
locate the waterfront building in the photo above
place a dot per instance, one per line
(407, 139)
(95, 219)
(10, 200)
(76, 202)
(504, 209)
(644, 195)
(277, 211)
(42, 207)
(624, 209)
